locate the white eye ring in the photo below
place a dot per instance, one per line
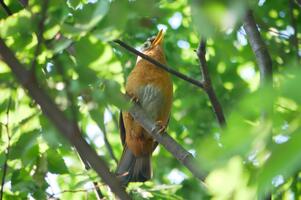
(147, 44)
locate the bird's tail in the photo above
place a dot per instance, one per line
(133, 169)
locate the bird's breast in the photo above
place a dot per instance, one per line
(151, 99)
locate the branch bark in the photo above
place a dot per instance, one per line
(263, 58)
(160, 65)
(259, 48)
(70, 130)
(205, 84)
(5, 7)
(168, 142)
(217, 108)
(7, 149)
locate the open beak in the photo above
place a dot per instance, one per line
(158, 39)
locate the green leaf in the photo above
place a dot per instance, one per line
(284, 160)
(89, 16)
(88, 50)
(19, 23)
(98, 116)
(41, 170)
(51, 135)
(24, 145)
(113, 95)
(60, 45)
(56, 163)
(30, 155)
(22, 181)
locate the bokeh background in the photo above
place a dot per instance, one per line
(256, 155)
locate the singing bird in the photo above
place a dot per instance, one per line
(151, 87)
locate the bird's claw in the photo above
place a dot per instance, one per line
(159, 126)
(135, 99)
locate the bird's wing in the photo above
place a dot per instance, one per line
(122, 129)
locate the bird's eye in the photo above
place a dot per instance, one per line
(147, 45)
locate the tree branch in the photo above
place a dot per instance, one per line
(263, 58)
(70, 130)
(217, 108)
(108, 145)
(168, 142)
(205, 84)
(260, 50)
(158, 64)
(6, 8)
(7, 149)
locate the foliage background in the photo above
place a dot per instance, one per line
(252, 156)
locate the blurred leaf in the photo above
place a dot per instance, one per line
(41, 170)
(288, 152)
(19, 23)
(88, 17)
(56, 163)
(87, 50)
(22, 181)
(24, 145)
(50, 134)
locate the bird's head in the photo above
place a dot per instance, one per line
(153, 42)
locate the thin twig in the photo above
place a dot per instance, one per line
(40, 32)
(217, 108)
(97, 191)
(70, 130)
(6, 8)
(7, 149)
(158, 64)
(108, 145)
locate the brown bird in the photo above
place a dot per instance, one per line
(152, 88)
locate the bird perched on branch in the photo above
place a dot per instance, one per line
(151, 87)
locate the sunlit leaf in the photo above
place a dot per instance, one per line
(56, 163)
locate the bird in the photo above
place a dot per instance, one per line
(151, 87)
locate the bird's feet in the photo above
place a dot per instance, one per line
(135, 99)
(159, 126)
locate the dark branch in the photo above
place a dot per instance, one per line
(70, 130)
(108, 145)
(263, 59)
(158, 64)
(39, 34)
(97, 190)
(7, 149)
(217, 108)
(5, 7)
(260, 50)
